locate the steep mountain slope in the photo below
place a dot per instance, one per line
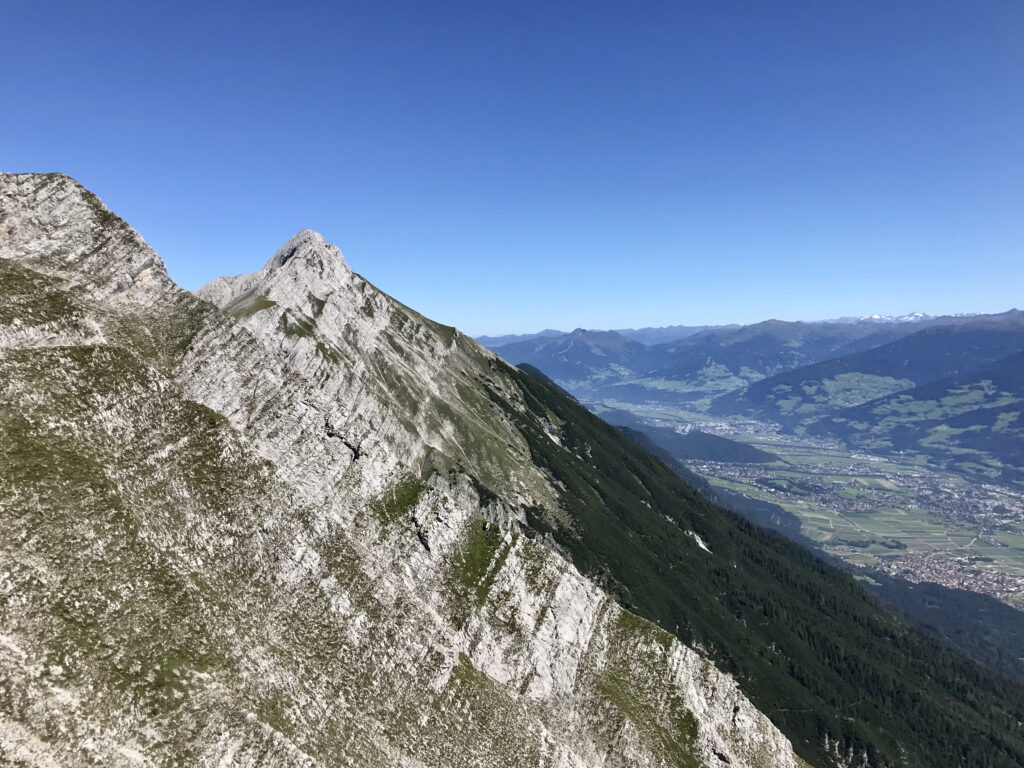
(256, 534)
(970, 421)
(260, 537)
(984, 628)
(926, 356)
(764, 513)
(698, 445)
(884, 335)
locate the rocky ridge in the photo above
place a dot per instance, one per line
(279, 524)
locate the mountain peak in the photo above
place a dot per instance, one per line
(304, 242)
(305, 264)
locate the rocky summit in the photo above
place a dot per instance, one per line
(289, 521)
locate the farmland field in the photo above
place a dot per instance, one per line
(898, 516)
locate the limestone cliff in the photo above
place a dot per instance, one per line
(282, 524)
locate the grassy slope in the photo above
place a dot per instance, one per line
(811, 649)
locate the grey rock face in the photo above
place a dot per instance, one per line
(277, 525)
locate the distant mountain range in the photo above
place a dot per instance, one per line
(493, 342)
(912, 317)
(663, 334)
(646, 336)
(711, 362)
(946, 387)
(580, 355)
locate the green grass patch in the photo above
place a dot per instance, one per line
(398, 500)
(482, 557)
(249, 305)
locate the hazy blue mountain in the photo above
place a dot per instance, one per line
(762, 348)
(647, 336)
(493, 342)
(581, 355)
(695, 369)
(665, 334)
(884, 334)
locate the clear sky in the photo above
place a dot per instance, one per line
(510, 166)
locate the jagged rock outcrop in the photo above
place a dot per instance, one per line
(281, 524)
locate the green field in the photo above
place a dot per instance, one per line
(872, 537)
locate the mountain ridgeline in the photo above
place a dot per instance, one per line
(292, 522)
(285, 524)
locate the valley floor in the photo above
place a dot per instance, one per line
(898, 516)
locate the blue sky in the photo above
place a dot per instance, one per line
(509, 166)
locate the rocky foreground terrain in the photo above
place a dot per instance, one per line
(285, 523)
